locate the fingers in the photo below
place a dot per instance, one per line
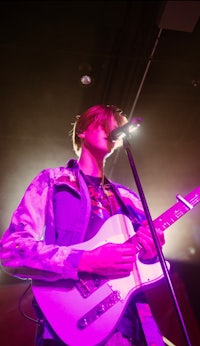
(118, 257)
(145, 234)
(146, 240)
(119, 253)
(127, 249)
(161, 237)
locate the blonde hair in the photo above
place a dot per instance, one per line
(98, 115)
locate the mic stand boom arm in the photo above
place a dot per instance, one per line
(126, 146)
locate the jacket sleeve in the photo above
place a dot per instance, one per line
(23, 251)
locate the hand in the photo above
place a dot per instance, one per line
(145, 239)
(109, 259)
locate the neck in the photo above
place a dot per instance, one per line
(91, 165)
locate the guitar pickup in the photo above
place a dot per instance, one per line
(99, 310)
(87, 284)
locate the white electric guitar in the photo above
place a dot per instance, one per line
(87, 311)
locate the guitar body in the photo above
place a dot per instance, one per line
(89, 315)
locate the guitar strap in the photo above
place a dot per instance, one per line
(150, 328)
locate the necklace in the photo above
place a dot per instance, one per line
(96, 182)
(99, 190)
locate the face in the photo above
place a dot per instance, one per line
(94, 139)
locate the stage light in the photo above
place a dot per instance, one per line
(86, 74)
(86, 80)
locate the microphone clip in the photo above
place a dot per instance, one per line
(125, 130)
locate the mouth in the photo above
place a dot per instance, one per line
(110, 144)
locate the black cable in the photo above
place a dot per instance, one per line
(20, 306)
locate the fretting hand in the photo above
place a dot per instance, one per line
(145, 239)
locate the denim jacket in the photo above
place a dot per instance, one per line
(34, 246)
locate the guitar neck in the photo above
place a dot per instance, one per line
(179, 209)
(173, 214)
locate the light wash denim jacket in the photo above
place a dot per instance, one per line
(32, 247)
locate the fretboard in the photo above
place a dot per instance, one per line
(173, 214)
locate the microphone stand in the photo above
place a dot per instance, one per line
(126, 146)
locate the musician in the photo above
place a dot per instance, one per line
(68, 205)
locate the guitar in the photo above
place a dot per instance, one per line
(88, 310)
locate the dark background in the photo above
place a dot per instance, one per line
(143, 57)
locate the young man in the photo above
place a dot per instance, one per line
(68, 205)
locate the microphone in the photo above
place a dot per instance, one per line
(125, 130)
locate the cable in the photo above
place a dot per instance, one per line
(20, 306)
